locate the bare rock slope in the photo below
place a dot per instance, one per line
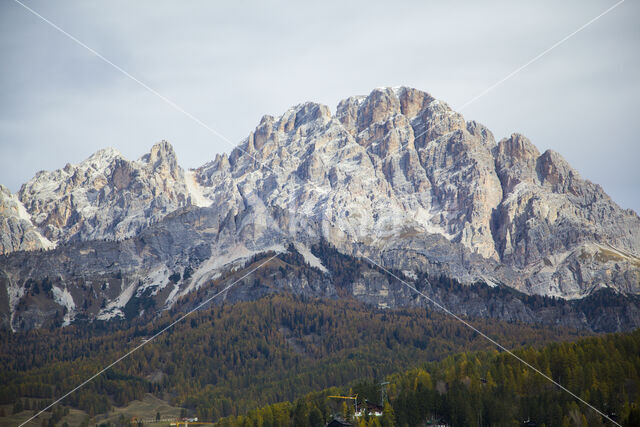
(392, 169)
(17, 232)
(105, 196)
(396, 175)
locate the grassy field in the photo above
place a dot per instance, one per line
(145, 409)
(74, 418)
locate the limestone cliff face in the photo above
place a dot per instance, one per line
(363, 175)
(394, 167)
(563, 231)
(105, 196)
(396, 175)
(17, 232)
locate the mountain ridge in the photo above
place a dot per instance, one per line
(396, 176)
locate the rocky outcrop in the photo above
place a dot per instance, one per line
(17, 232)
(363, 175)
(562, 231)
(105, 196)
(397, 176)
(136, 277)
(397, 166)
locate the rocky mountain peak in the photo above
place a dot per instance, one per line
(554, 171)
(163, 161)
(516, 159)
(412, 101)
(161, 153)
(17, 232)
(272, 133)
(303, 114)
(395, 174)
(106, 195)
(360, 112)
(379, 106)
(102, 156)
(517, 148)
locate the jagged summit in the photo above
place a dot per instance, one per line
(106, 195)
(399, 161)
(162, 155)
(396, 175)
(17, 232)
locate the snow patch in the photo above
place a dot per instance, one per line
(412, 208)
(15, 293)
(64, 298)
(195, 190)
(22, 211)
(108, 314)
(410, 274)
(212, 268)
(157, 279)
(310, 258)
(172, 296)
(46, 243)
(489, 282)
(113, 309)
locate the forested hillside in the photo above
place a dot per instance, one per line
(490, 389)
(229, 359)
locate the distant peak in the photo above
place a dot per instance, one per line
(518, 147)
(4, 191)
(162, 146)
(301, 114)
(103, 154)
(162, 149)
(383, 103)
(160, 152)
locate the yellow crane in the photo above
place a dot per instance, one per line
(354, 398)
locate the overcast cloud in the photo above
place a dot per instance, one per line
(230, 63)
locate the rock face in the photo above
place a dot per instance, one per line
(364, 175)
(105, 196)
(565, 232)
(396, 176)
(396, 167)
(17, 232)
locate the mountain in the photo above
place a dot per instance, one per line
(396, 176)
(105, 196)
(17, 232)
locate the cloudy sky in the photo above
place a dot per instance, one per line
(228, 63)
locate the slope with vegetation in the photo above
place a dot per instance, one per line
(491, 389)
(228, 359)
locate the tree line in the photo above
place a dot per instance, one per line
(227, 360)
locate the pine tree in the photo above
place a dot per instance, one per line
(350, 412)
(388, 418)
(315, 418)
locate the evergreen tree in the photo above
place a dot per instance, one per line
(388, 418)
(316, 419)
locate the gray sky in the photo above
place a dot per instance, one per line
(229, 63)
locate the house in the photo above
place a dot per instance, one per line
(373, 409)
(338, 422)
